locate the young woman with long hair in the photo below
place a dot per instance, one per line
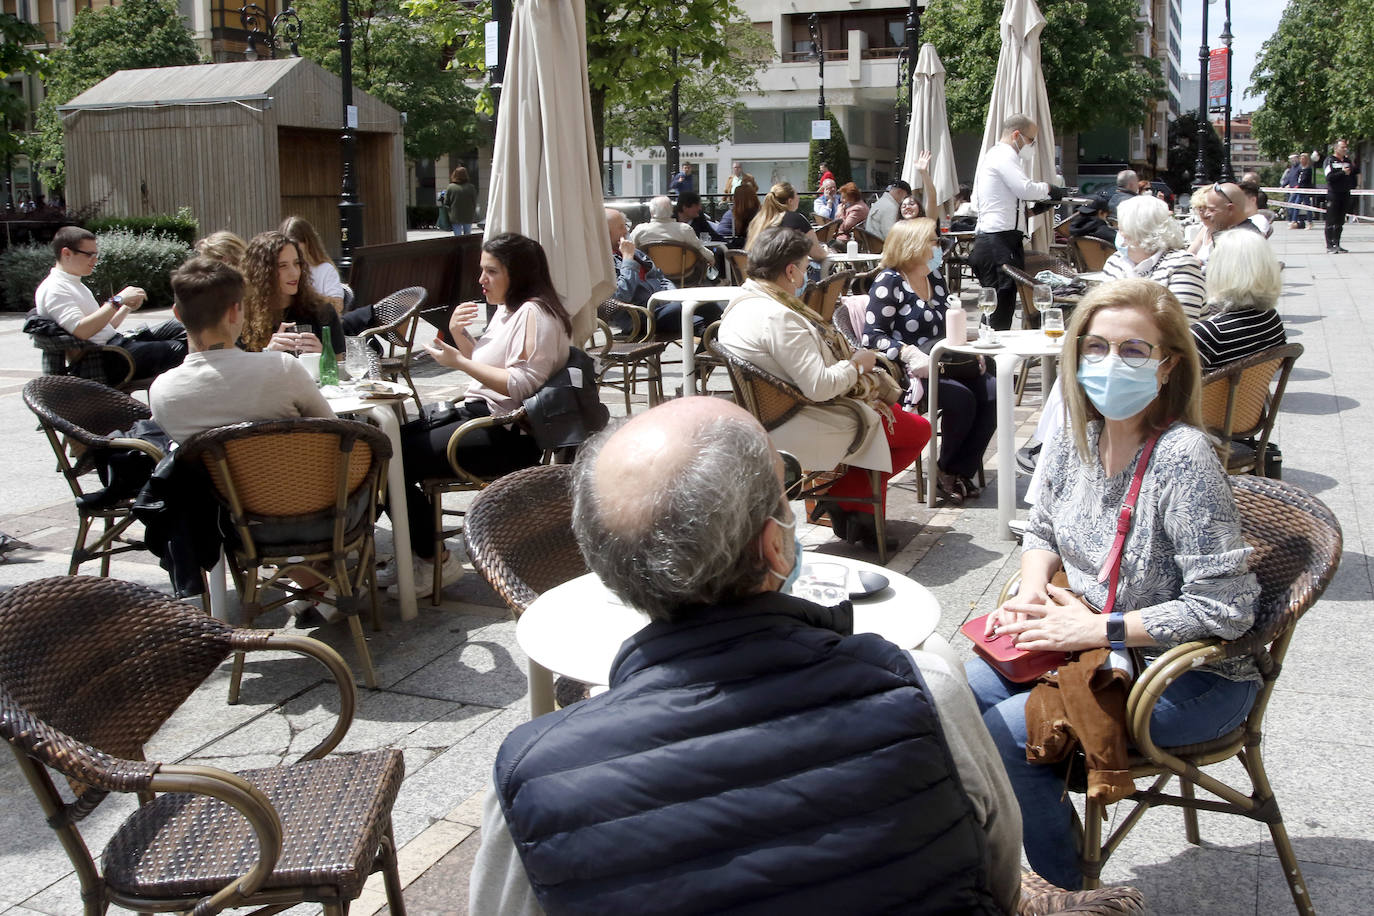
(279, 292)
(780, 209)
(324, 276)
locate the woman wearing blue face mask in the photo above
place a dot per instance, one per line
(774, 330)
(1183, 571)
(906, 307)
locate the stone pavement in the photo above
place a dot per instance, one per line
(453, 680)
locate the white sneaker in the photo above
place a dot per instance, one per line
(451, 571)
(386, 573)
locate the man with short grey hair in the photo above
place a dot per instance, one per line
(664, 227)
(751, 754)
(1127, 186)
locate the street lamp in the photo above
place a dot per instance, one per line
(903, 61)
(913, 55)
(818, 49)
(285, 26)
(1227, 172)
(1204, 59)
(350, 208)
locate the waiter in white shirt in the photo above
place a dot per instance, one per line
(999, 190)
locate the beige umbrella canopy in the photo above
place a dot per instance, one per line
(1019, 88)
(930, 128)
(546, 182)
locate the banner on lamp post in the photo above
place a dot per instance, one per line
(1216, 78)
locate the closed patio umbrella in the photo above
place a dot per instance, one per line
(930, 128)
(545, 175)
(1019, 88)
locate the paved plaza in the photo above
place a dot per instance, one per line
(453, 680)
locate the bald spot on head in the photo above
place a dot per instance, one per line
(645, 454)
(615, 224)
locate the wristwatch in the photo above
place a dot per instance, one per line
(1116, 630)
(116, 301)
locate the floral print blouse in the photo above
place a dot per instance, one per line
(1184, 565)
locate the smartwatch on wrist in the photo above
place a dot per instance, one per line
(1116, 630)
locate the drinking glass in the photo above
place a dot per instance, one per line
(1043, 297)
(289, 327)
(1052, 323)
(987, 304)
(356, 359)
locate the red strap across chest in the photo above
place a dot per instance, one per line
(1111, 565)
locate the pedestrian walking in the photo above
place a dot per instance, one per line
(1342, 177)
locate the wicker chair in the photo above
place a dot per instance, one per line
(1089, 252)
(519, 536)
(398, 320)
(861, 283)
(868, 242)
(1041, 898)
(679, 262)
(1297, 547)
(737, 260)
(78, 416)
(310, 831)
(66, 354)
(1239, 409)
(773, 402)
(826, 231)
(822, 297)
(302, 496)
(624, 363)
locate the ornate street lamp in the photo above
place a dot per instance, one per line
(285, 26)
(913, 56)
(1204, 59)
(350, 208)
(898, 128)
(818, 51)
(1227, 172)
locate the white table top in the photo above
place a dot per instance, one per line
(698, 294)
(344, 400)
(1092, 276)
(577, 628)
(861, 258)
(1022, 343)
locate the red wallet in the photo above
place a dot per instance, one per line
(1014, 664)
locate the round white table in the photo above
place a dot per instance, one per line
(577, 628)
(860, 262)
(1013, 347)
(691, 297)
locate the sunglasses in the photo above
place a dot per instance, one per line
(1134, 352)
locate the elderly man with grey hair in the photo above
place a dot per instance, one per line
(751, 754)
(664, 227)
(1127, 186)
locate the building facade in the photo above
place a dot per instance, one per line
(1245, 152)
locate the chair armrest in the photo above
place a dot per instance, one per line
(259, 641)
(1155, 679)
(141, 445)
(243, 797)
(508, 419)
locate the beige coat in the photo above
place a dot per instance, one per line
(779, 341)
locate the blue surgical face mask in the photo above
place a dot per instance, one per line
(1117, 390)
(1122, 247)
(791, 578)
(936, 259)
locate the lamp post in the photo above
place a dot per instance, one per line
(818, 49)
(1227, 171)
(674, 151)
(350, 208)
(1203, 69)
(903, 60)
(285, 26)
(913, 55)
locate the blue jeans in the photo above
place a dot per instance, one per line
(1197, 707)
(462, 228)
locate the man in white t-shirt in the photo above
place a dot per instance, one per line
(219, 384)
(63, 298)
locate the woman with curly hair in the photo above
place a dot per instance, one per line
(279, 293)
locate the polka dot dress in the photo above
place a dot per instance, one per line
(896, 316)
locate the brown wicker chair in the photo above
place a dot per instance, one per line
(1297, 548)
(625, 362)
(822, 297)
(861, 283)
(826, 231)
(398, 320)
(868, 242)
(78, 416)
(1239, 409)
(67, 354)
(1041, 898)
(519, 536)
(310, 831)
(679, 262)
(773, 402)
(302, 496)
(737, 259)
(1089, 252)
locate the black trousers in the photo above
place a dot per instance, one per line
(1337, 208)
(968, 420)
(487, 452)
(990, 251)
(155, 348)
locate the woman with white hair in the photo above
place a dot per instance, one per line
(1243, 287)
(1149, 244)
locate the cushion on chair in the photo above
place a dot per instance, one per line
(333, 813)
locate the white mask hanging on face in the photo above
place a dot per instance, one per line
(1027, 155)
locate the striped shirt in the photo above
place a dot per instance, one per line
(1226, 337)
(1178, 270)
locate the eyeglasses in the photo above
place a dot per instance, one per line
(1134, 352)
(89, 254)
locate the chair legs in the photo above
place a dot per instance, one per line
(104, 547)
(391, 875)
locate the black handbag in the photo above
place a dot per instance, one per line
(957, 366)
(567, 409)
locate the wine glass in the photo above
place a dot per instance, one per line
(1052, 323)
(1042, 296)
(987, 304)
(356, 359)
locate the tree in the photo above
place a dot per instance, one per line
(833, 152)
(401, 60)
(134, 35)
(1296, 74)
(1094, 73)
(15, 34)
(1353, 81)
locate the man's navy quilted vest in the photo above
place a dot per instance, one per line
(746, 762)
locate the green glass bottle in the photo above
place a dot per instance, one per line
(329, 364)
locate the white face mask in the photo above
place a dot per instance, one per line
(1027, 153)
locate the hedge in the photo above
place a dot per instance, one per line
(181, 226)
(126, 259)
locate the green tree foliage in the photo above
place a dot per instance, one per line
(708, 98)
(1297, 74)
(1353, 85)
(1183, 153)
(833, 152)
(1094, 73)
(403, 61)
(134, 35)
(15, 33)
